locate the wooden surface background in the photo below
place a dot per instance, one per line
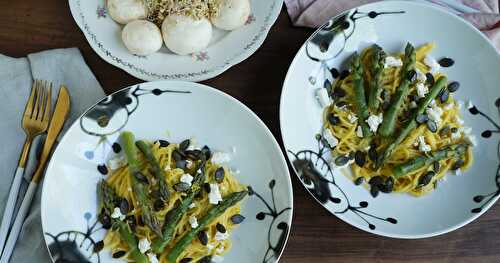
(28, 26)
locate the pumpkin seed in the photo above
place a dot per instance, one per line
(341, 160)
(372, 153)
(341, 104)
(163, 143)
(207, 152)
(376, 180)
(131, 222)
(453, 86)
(426, 178)
(116, 147)
(119, 254)
(454, 130)
(184, 145)
(338, 92)
(158, 205)
(429, 79)
(444, 131)
(203, 237)
(432, 126)
(219, 175)
(207, 188)
(181, 187)
(181, 164)
(194, 154)
(444, 94)
(205, 259)
(359, 180)
(141, 177)
(333, 120)
(105, 221)
(124, 206)
(411, 75)
(102, 169)
(335, 73)
(388, 185)
(422, 118)
(98, 246)
(436, 166)
(186, 260)
(446, 62)
(458, 164)
(344, 74)
(360, 158)
(221, 228)
(237, 219)
(177, 155)
(374, 190)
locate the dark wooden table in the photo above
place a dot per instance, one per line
(29, 26)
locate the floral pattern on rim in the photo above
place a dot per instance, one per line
(75, 245)
(201, 56)
(101, 11)
(273, 251)
(487, 134)
(91, 36)
(250, 19)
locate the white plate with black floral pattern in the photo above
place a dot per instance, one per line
(227, 48)
(173, 111)
(456, 201)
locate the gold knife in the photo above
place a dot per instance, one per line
(56, 124)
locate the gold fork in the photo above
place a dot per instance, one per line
(35, 122)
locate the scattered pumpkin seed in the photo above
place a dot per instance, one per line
(426, 178)
(141, 177)
(207, 152)
(98, 246)
(341, 104)
(344, 74)
(237, 219)
(163, 143)
(411, 75)
(186, 260)
(432, 126)
(429, 79)
(360, 158)
(333, 120)
(387, 186)
(219, 175)
(207, 188)
(177, 155)
(453, 86)
(454, 130)
(338, 92)
(105, 221)
(203, 237)
(359, 180)
(119, 254)
(181, 187)
(422, 118)
(341, 160)
(372, 153)
(221, 228)
(184, 145)
(458, 164)
(446, 62)
(444, 94)
(376, 180)
(158, 205)
(124, 206)
(205, 259)
(374, 190)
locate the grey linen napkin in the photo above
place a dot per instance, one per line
(60, 66)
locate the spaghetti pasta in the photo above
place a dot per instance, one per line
(121, 183)
(450, 129)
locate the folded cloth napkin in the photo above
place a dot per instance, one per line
(60, 66)
(313, 13)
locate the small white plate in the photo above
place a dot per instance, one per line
(227, 48)
(457, 201)
(174, 111)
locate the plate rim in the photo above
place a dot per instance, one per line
(287, 176)
(283, 135)
(204, 74)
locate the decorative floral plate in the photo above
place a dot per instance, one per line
(174, 111)
(226, 49)
(458, 200)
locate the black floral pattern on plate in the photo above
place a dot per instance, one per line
(485, 199)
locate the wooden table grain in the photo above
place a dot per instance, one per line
(29, 26)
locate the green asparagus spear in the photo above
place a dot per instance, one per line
(157, 171)
(106, 196)
(390, 115)
(421, 161)
(378, 60)
(211, 215)
(174, 216)
(139, 186)
(412, 123)
(359, 93)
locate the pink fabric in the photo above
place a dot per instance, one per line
(313, 13)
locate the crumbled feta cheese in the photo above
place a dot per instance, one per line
(129, 189)
(392, 62)
(415, 143)
(186, 178)
(367, 148)
(117, 162)
(210, 247)
(457, 172)
(193, 221)
(456, 135)
(144, 245)
(374, 121)
(152, 258)
(221, 236)
(167, 168)
(434, 114)
(117, 214)
(214, 197)
(459, 120)
(332, 141)
(413, 105)
(233, 149)
(448, 106)
(352, 118)
(433, 65)
(422, 145)
(220, 249)
(359, 132)
(471, 139)
(470, 105)
(421, 90)
(192, 205)
(420, 75)
(217, 258)
(322, 97)
(220, 158)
